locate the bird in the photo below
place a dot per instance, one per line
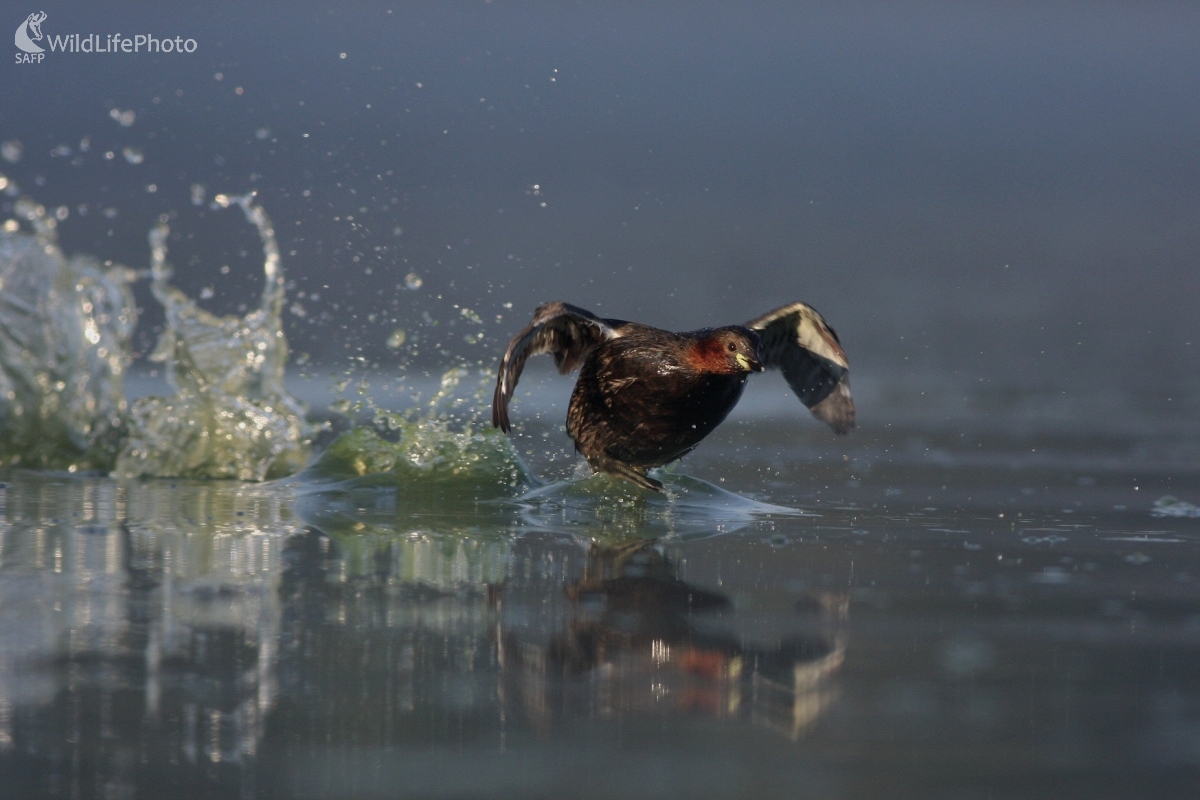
(646, 396)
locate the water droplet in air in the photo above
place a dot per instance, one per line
(125, 118)
(11, 151)
(412, 281)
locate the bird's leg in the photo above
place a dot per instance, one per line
(619, 469)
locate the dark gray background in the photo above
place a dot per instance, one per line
(986, 200)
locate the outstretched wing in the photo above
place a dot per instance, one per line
(567, 331)
(797, 341)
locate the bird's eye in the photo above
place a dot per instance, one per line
(732, 347)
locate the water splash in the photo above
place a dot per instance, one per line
(418, 456)
(604, 508)
(65, 328)
(230, 416)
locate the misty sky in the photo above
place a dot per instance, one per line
(1006, 191)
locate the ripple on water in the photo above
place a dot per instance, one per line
(602, 506)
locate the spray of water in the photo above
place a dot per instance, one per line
(65, 329)
(230, 416)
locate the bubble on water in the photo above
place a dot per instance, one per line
(11, 151)
(412, 281)
(124, 118)
(397, 338)
(133, 155)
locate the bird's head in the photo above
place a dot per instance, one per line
(732, 350)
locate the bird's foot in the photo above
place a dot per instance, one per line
(628, 472)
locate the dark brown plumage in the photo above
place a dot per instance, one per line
(646, 396)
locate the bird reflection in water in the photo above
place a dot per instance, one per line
(651, 642)
(201, 632)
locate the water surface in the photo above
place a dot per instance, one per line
(927, 626)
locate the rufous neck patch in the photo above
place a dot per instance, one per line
(709, 355)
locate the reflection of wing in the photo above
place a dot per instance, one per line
(796, 340)
(569, 332)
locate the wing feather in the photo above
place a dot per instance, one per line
(796, 340)
(567, 332)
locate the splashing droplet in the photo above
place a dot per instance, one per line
(65, 327)
(230, 416)
(124, 118)
(11, 151)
